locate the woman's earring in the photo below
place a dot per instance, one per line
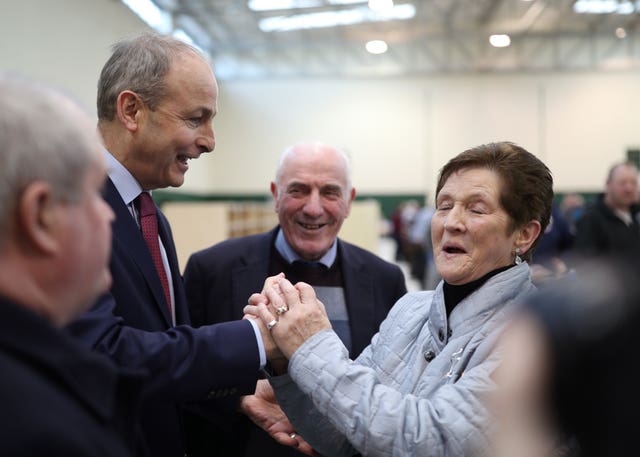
(518, 260)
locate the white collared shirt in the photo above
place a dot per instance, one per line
(129, 189)
(288, 254)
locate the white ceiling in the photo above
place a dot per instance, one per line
(444, 37)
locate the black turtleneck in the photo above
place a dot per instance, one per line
(455, 294)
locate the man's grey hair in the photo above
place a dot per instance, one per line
(140, 65)
(291, 149)
(44, 136)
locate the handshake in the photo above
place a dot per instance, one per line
(287, 316)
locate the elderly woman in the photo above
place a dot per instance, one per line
(420, 388)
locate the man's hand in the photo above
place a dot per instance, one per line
(298, 312)
(263, 409)
(273, 353)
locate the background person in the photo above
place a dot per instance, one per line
(552, 250)
(57, 397)
(610, 226)
(157, 97)
(312, 192)
(422, 387)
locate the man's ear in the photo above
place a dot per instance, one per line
(38, 216)
(527, 235)
(274, 193)
(129, 107)
(350, 199)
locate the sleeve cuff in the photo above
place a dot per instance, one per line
(261, 351)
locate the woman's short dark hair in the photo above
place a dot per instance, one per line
(526, 193)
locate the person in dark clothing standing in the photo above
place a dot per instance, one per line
(312, 193)
(157, 97)
(610, 226)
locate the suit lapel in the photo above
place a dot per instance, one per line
(246, 280)
(249, 277)
(127, 234)
(359, 296)
(181, 309)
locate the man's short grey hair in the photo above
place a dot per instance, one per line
(139, 64)
(287, 152)
(44, 136)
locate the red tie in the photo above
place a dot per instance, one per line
(149, 225)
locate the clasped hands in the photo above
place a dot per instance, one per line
(287, 316)
(291, 314)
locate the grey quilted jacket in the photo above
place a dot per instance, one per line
(419, 389)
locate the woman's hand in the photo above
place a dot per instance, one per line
(293, 313)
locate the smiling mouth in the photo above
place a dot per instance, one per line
(311, 226)
(183, 159)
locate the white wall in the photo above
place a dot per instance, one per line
(399, 132)
(63, 42)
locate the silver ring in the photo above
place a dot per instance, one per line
(282, 310)
(271, 324)
(292, 436)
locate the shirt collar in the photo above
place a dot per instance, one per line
(287, 252)
(127, 186)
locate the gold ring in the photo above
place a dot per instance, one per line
(282, 310)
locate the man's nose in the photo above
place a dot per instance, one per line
(206, 141)
(313, 205)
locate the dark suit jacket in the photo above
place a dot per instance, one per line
(57, 397)
(132, 325)
(220, 279)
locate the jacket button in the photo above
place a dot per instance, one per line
(441, 334)
(429, 356)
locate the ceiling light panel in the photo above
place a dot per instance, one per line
(275, 5)
(606, 6)
(336, 18)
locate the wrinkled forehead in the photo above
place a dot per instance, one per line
(322, 175)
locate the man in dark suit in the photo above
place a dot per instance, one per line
(611, 225)
(157, 97)
(57, 397)
(313, 194)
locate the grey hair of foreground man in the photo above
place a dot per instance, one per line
(140, 65)
(55, 228)
(30, 124)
